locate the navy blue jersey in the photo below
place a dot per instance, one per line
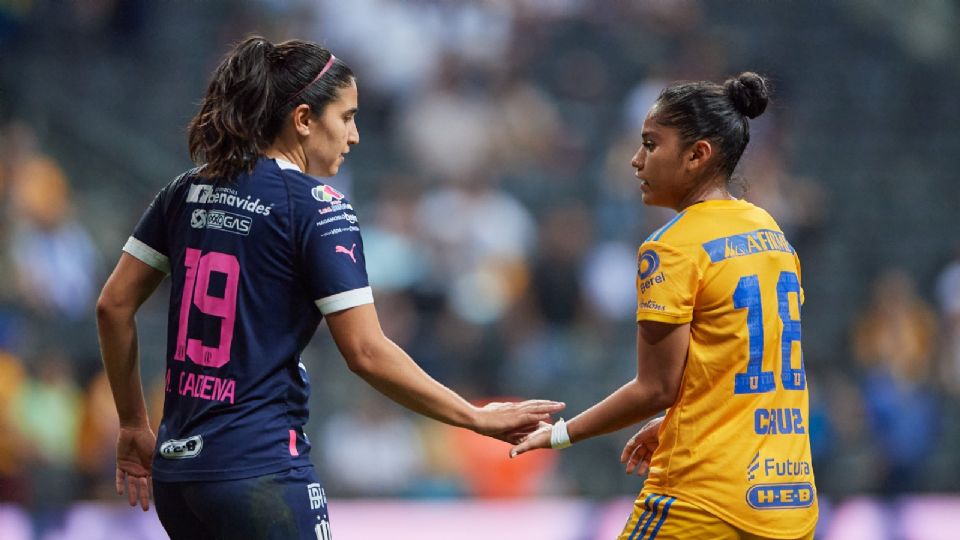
(255, 263)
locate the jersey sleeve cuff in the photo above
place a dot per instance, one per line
(663, 317)
(345, 300)
(147, 254)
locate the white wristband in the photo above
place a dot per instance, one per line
(559, 438)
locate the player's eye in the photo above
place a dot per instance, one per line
(649, 145)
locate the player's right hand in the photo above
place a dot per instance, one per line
(134, 464)
(639, 449)
(511, 422)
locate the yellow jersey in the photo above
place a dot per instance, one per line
(736, 441)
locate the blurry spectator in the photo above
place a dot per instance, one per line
(97, 438)
(487, 474)
(13, 446)
(448, 131)
(371, 449)
(53, 254)
(565, 235)
(609, 273)
(948, 299)
(798, 204)
(395, 257)
(417, 34)
(897, 332)
(894, 342)
(17, 143)
(12, 16)
(538, 353)
(481, 239)
(47, 413)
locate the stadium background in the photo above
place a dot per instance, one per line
(501, 220)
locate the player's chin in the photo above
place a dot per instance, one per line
(332, 169)
(335, 166)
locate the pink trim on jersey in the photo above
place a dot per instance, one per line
(293, 443)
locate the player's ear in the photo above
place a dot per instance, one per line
(301, 119)
(698, 155)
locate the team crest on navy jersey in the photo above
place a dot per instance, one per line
(325, 193)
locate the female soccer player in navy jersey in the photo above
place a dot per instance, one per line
(718, 340)
(258, 252)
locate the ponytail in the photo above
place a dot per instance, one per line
(251, 93)
(227, 133)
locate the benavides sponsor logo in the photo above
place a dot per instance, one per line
(207, 194)
(182, 448)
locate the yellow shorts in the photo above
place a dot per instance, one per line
(667, 518)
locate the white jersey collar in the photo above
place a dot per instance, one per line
(284, 164)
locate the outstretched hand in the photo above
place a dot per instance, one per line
(538, 439)
(639, 449)
(511, 422)
(134, 464)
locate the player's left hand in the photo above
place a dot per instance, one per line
(538, 439)
(639, 449)
(134, 464)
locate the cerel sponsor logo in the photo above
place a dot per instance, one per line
(182, 448)
(647, 263)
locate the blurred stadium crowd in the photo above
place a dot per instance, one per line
(500, 218)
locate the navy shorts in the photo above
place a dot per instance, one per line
(285, 505)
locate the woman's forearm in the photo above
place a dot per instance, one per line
(118, 347)
(629, 404)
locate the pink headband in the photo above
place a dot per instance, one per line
(315, 79)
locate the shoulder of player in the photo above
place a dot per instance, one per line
(665, 248)
(675, 232)
(183, 179)
(167, 195)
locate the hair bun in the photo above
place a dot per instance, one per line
(748, 92)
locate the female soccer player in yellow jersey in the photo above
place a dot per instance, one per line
(718, 340)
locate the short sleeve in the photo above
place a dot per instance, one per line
(331, 250)
(667, 283)
(148, 243)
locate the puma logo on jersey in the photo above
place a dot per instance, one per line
(341, 249)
